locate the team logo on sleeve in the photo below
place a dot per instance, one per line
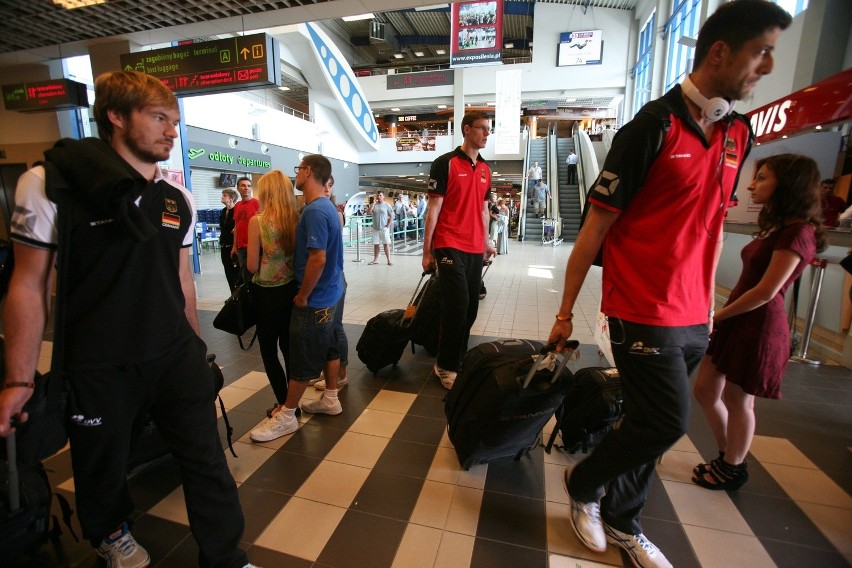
(607, 183)
(433, 184)
(171, 221)
(171, 205)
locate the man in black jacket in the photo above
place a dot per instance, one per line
(126, 332)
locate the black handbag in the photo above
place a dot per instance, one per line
(237, 315)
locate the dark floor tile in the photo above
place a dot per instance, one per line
(259, 508)
(283, 472)
(421, 430)
(388, 495)
(408, 383)
(258, 403)
(406, 458)
(789, 555)
(151, 483)
(313, 440)
(523, 477)
(670, 538)
(429, 406)
(513, 519)
(241, 422)
(780, 519)
(354, 544)
(273, 559)
(658, 505)
(491, 554)
(161, 538)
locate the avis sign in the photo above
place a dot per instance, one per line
(824, 103)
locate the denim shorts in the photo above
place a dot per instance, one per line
(313, 340)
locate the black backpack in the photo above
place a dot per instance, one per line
(590, 410)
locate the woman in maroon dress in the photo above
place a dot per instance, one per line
(750, 344)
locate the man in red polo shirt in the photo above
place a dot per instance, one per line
(657, 210)
(244, 210)
(456, 239)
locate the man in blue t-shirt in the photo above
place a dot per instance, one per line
(319, 273)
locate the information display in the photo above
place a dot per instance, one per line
(232, 64)
(55, 94)
(580, 48)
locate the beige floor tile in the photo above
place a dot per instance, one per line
(456, 550)
(360, 450)
(433, 504)
(809, 485)
(251, 457)
(721, 549)
(684, 445)
(392, 401)
(779, 451)
(445, 466)
(333, 483)
(834, 523)
(302, 528)
(554, 486)
(677, 466)
(377, 423)
(172, 508)
(557, 561)
(419, 547)
(253, 380)
(233, 396)
(697, 506)
(463, 516)
(67, 485)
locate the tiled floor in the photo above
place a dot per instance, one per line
(380, 485)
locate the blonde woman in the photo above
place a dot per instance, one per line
(271, 243)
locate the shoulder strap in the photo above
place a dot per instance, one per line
(659, 109)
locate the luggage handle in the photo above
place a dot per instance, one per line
(411, 308)
(487, 264)
(571, 345)
(12, 459)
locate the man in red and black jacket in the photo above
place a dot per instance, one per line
(456, 239)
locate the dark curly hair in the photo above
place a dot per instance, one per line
(795, 197)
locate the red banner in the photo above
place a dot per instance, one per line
(476, 33)
(822, 104)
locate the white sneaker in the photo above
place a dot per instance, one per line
(642, 551)
(313, 382)
(322, 405)
(281, 424)
(341, 382)
(586, 522)
(121, 550)
(448, 378)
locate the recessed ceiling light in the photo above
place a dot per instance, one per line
(398, 56)
(509, 45)
(71, 4)
(442, 106)
(395, 109)
(367, 16)
(819, 126)
(284, 88)
(418, 53)
(440, 51)
(491, 104)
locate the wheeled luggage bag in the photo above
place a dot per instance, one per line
(590, 410)
(502, 398)
(386, 334)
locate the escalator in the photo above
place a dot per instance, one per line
(569, 194)
(537, 153)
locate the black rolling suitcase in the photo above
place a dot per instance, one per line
(24, 506)
(502, 399)
(590, 410)
(386, 334)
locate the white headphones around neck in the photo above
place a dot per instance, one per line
(711, 109)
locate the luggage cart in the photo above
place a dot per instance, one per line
(548, 233)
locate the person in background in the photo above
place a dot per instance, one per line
(658, 305)
(126, 338)
(382, 222)
(832, 205)
(226, 237)
(244, 210)
(534, 173)
(571, 160)
(750, 345)
(271, 244)
(339, 331)
(540, 195)
(502, 227)
(456, 240)
(421, 212)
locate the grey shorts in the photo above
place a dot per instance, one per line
(313, 340)
(381, 236)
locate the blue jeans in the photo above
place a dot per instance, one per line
(313, 340)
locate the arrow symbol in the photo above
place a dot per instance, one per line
(244, 52)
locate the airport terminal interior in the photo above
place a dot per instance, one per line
(380, 485)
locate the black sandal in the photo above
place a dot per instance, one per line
(703, 468)
(723, 476)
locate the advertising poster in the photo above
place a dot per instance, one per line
(415, 143)
(580, 48)
(476, 33)
(507, 112)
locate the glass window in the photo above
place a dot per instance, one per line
(682, 24)
(793, 6)
(642, 70)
